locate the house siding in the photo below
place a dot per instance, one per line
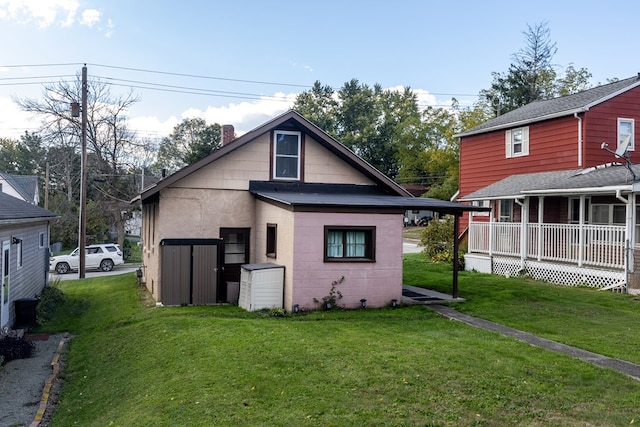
(284, 219)
(28, 280)
(378, 282)
(217, 195)
(602, 126)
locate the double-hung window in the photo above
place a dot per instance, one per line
(286, 155)
(517, 142)
(344, 243)
(626, 128)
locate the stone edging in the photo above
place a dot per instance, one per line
(55, 370)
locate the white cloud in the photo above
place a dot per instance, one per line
(48, 12)
(13, 121)
(245, 116)
(152, 127)
(90, 17)
(43, 12)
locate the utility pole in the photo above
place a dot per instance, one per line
(83, 179)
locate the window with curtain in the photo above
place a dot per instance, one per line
(343, 243)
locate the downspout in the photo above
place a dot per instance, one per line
(579, 138)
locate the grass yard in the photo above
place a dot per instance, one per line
(133, 364)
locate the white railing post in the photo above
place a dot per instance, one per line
(540, 221)
(581, 231)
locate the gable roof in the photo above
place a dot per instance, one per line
(25, 185)
(600, 179)
(296, 120)
(557, 107)
(13, 210)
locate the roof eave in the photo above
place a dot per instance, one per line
(522, 122)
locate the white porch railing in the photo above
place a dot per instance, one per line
(600, 245)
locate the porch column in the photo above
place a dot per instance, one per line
(524, 230)
(540, 221)
(491, 228)
(581, 231)
(629, 237)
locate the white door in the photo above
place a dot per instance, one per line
(4, 285)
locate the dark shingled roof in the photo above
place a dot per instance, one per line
(12, 209)
(556, 107)
(24, 184)
(604, 176)
(348, 196)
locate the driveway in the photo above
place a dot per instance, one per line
(411, 247)
(119, 269)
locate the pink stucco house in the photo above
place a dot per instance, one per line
(284, 194)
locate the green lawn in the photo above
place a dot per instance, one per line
(133, 364)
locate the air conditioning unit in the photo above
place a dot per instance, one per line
(261, 286)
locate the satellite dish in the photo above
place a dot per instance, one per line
(623, 147)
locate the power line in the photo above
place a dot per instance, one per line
(200, 77)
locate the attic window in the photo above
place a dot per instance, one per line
(517, 142)
(286, 155)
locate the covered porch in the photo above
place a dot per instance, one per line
(561, 227)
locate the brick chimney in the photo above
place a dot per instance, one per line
(228, 134)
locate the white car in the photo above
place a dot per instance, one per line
(103, 257)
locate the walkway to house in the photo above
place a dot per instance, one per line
(434, 301)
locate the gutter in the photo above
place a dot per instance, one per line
(586, 190)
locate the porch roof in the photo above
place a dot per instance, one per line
(607, 178)
(341, 196)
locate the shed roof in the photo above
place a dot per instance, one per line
(556, 107)
(308, 195)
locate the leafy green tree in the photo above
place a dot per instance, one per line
(369, 120)
(191, 140)
(532, 76)
(319, 105)
(22, 157)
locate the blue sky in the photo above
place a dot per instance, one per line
(258, 55)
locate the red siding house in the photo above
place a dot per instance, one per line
(560, 178)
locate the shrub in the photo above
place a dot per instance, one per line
(331, 301)
(50, 298)
(437, 239)
(13, 347)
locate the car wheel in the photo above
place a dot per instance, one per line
(106, 265)
(62, 268)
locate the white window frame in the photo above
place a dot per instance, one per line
(41, 240)
(19, 260)
(481, 203)
(576, 201)
(508, 216)
(608, 208)
(511, 141)
(277, 156)
(622, 132)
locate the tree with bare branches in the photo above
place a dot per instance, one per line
(111, 147)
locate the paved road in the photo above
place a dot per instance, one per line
(410, 247)
(120, 269)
